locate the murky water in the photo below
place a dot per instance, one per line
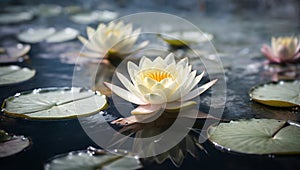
(238, 35)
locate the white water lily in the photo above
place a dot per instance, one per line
(115, 39)
(283, 49)
(161, 83)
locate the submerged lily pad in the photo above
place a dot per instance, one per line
(93, 159)
(14, 74)
(257, 136)
(10, 144)
(54, 103)
(183, 38)
(13, 53)
(280, 94)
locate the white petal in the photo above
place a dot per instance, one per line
(143, 89)
(128, 84)
(198, 91)
(195, 81)
(90, 32)
(155, 98)
(180, 105)
(125, 94)
(146, 109)
(170, 59)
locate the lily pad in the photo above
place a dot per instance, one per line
(93, 16)
(14, 74)
(13, 53)
(63, 35)
(257, 136)
(35, 35)
(50, 35)
(280, 94)
(93, 159)
(183, 38)
(54, 103)
(10, 144)
(13, 18)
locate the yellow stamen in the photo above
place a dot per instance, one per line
(115, 32)
(157, 75)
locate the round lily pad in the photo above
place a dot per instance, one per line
(183, 38)
(14, 74)
(279, 94)
(257, 136)
(11, 144)
(93, 159)
(54, 103)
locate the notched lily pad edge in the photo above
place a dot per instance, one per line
(45, 90)
(269, 155)
(272, 103)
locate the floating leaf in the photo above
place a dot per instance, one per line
(94, 159)
(66, 34)
(48, 10)
(280, 94)
(14, 74)
(13, 18)
(54, 103)
(10, 145)
(93, 16)
(13, 53)
(35, 35)
(183, 38)
(257, 136)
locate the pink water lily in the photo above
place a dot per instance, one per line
(282, 50)
(161, 83)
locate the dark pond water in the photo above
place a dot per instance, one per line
(238, 32)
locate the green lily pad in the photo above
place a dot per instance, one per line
(257, 136)
(93, 159)
(54, 103)
(280, 94)
(14, 74)
(10, 144)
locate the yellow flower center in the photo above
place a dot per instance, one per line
(156, 74)
(115, 32)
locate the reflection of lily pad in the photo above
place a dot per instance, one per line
(14, 74)
(183, 38)
(257, 136)
(280, 94)
(13, 53)
(10, 145)
(94, 159)
(54, 103)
